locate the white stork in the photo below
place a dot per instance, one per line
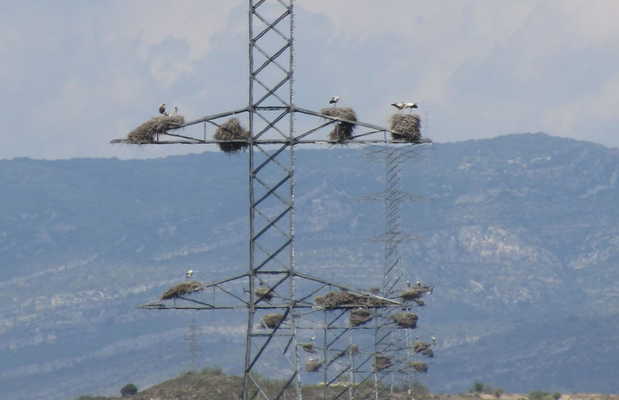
(333, 100)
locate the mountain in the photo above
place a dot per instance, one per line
(519, 235)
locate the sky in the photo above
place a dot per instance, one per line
(76, 74)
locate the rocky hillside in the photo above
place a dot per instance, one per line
(519, 235)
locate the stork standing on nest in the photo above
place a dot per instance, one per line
(401, 106)
(189, 274)
(162, 110)
(333, 100)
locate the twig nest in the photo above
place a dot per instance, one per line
(405, 319)
(414, 293)
(343, 299)
(419, 366)
(424, 348)
(406, 127)
(271, 321)
(158, 125)
(342, 131)
(232, 130)
(428, 353)
(360, 316)
(182, 289)
(382, 362)
(263, 292)
(309, 348)
(420, 347)
(313, 365)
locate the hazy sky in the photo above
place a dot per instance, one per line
(75, 74)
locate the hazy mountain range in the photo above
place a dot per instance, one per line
(519, 234)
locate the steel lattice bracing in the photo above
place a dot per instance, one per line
(271, 193)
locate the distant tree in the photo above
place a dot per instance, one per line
(498, 392)
(556, 395)
(128, 390)
(539, 395)
(478, 387)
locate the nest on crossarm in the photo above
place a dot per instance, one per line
(360, 316)
(148, 131)
(344, 299)
(264, 293)
(405, 319)
(308, 348)
(414, 293)
(182, 289)
(406, 127)
(424, 348)
(382, 362)
(313, 365)
(271, 321)
(342, 131)
(419, 366)
(233, 131)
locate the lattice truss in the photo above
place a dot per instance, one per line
(291, 334)
(408, 353)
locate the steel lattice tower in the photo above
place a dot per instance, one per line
(273, 348)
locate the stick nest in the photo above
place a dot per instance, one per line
(232, 130)
(407, 126)
(309, 348)
(271, 321)
(342, 131)
(414, 293)
(264, 293)
(424, 348)
(343, 299)
(360, 316)
(313, 365)
(405, 319)
(149, 130)
(419, 366)
(382, 362)
(182, 289)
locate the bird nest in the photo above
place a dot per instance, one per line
(342, 131)
(405, 319)
(406, 127)
(414, 293)
(343, 299)
(351, 350)
(420, 347)
(149, 130)
(232, 130)
(182, 289)
(308, 348)
(424, 348)
(419, 366)
(313, 365)
(272, 321)
(382, 362)
(360, 316)
(264, 293)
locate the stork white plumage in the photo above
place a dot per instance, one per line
(162, 110)
(418, 283)
(175, 112)
(189, 274)
(399, 106)
(333, 100)
(410, 106)
(433, 339)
